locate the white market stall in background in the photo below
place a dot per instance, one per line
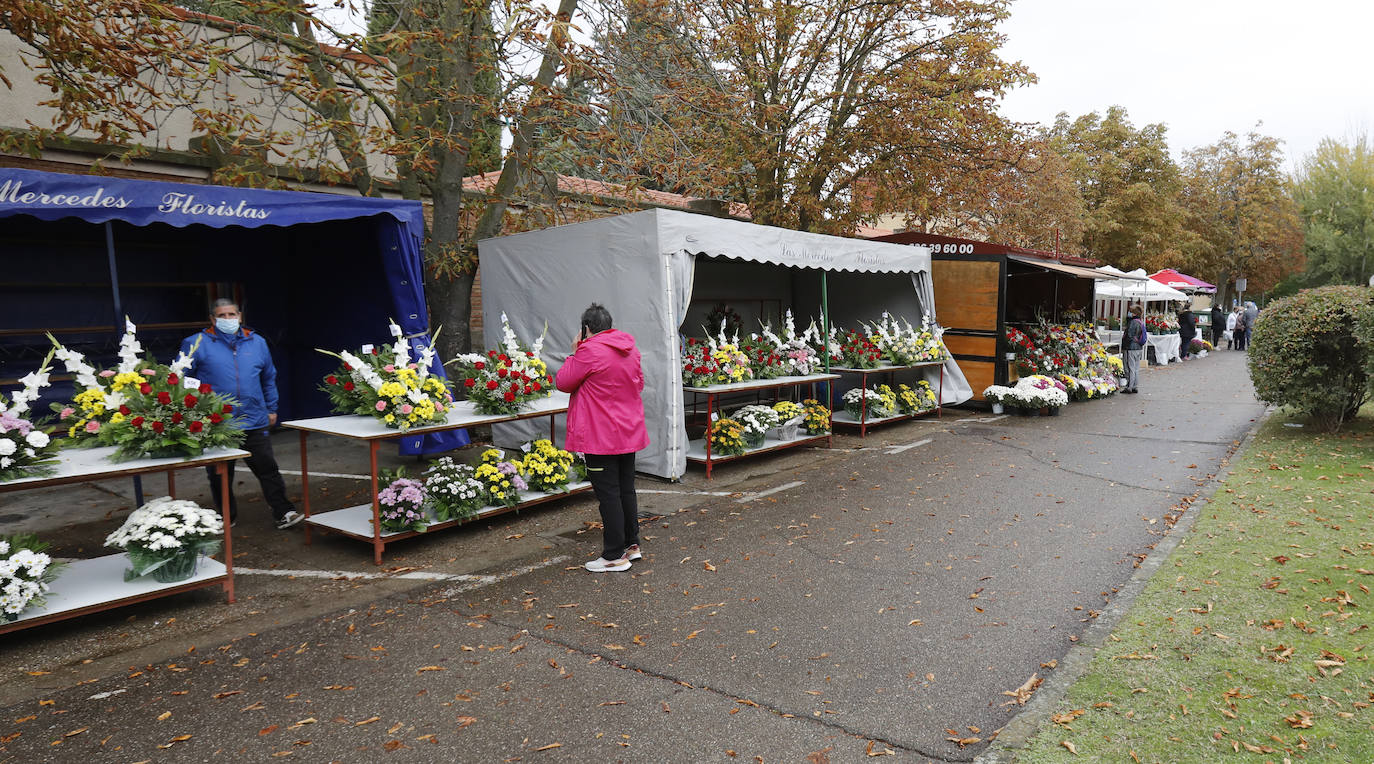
(657, 271)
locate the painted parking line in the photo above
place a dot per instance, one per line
(689, 493)
(486, 580)
(329, 475)
(907, 447)
(351, 575)
(771, 491)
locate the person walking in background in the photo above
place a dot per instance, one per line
(1242, 329)
(236, 362)
(1187, 329)
(1133, 348)
(1230, 328)
(606, 425)
(1251, 316)
(1218, 319)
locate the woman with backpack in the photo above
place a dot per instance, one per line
(1133, 348)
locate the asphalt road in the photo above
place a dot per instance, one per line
(892, 599)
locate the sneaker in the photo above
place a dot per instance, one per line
(632, 553)
(603, 565)
(289, 519)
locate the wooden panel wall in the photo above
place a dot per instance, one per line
(966, 293)
(960, 344)
(979, 374)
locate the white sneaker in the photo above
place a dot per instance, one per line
(603, 565)
(289, 519)
(632, 553)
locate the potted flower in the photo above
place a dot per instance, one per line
(861, 398)
(167, 537)
(757, 421)
(790, 415)
(550, 469)
(505, 380)
(501, 478)
(26, 571)
(998, 396)
(727, 437)
(401, 504)
(454, 492)
(817, 417)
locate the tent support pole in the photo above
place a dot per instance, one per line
(118, 314)
(825, 323)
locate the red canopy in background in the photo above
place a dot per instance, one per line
(1172, 278)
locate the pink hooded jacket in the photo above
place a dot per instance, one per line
(606, 414)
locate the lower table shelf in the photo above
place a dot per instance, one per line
(356, 522)
(696, 449)
(90, 586)
(843, 417)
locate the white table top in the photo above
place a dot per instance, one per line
(462, 414)
(78, 464)
(762, 384)
(887, 367)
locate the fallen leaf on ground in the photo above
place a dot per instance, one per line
(466, 721)
(164, 716)
(368, 720)
(1021, 694)
(1069, 746)
(549, 747)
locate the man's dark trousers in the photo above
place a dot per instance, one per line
(263, 463)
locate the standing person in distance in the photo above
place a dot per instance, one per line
(1218, 319)
(1133, 348)
(236, 362)
(1251, 317)
(1242, 328)
(606, 424)
(1230, 329)
(1187, 329)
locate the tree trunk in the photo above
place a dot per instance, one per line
(450, 307)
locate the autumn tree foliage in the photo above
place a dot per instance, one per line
(1239, 213)
(818, 97)
(1129, 186)
(1334, 191)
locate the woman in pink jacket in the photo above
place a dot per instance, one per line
(606, 424)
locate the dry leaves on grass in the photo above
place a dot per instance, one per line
(1021, 694)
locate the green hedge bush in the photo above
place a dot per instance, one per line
(1311, 352)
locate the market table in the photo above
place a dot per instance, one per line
(843, 417)
(90, 586)
(699, 451)
(1168, 347)
(363, 522)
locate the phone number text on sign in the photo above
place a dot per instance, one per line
(951, 249)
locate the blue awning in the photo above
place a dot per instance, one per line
(98, 199)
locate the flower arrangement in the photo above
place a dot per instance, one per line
(386, 385)
(508, 379)
(166, 538)
(878, 405)
(857, 351)
(26, 572)
(1063, 351)
(788, 410)
(1161, 323)
(550, 469)
(825, 345)
(999, 394)
(1039, 391)
(726, 318)
(143, 408)
(401, 504)
(906, 345)
(1199, 345)
(453, 490)
(25, 449)
(816, 417)
(500, 478)
(727, 437)
(915, 400)
(719, 361)
(757, 421)
(798, 355)
(765, 361)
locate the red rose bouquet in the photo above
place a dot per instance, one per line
(504, 381)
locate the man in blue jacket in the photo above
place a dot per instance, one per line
(236, 362)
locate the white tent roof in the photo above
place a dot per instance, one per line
(719, 237)
(1135, 285)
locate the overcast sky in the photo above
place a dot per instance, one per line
(1202, 67)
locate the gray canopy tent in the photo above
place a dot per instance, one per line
(645, 268)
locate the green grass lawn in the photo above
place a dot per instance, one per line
(1253, 641)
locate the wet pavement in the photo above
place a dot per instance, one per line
(894, 595)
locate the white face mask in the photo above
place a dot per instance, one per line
(227, 325)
